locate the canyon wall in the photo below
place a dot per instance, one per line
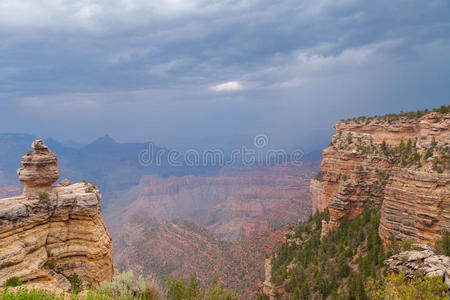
(51, 232)
(397, 162)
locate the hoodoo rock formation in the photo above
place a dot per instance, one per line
(52, 232)
(40, 168)
(397, 162)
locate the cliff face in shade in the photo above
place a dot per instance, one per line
(399, 163)
(317, 195)
(51, 232)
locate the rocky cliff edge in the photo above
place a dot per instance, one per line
(51, 232)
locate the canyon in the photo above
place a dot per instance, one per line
(238, 203)
(179, 248)
(51, 232)
(220, 226)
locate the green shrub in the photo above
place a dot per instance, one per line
(443, 245)
(191, 290)
(407, 245)
(75, 283)
(443, 109)
(90, 189)
(397, 286)
(261, 296)
(44, 198)
(125, 286)
(318, 176)
(25, 294)
(49, 264)
(13, 282)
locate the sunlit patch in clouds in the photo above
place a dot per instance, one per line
(228, 86)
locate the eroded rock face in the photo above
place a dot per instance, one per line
(416, 205)
(366, 164)
(51, 232)
(420, 262)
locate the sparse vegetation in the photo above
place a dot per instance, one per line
(13, 282)
(91, 188)
(397, 286)
(126, 286)
(25, 294)
(443, 245)
(444, 109)
(75, 283)
(44, 198)
(318, 176)
(49, 264)
(191, 290)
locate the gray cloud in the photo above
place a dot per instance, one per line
(167, 69)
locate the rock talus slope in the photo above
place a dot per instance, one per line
(397, 162)
(51, 232)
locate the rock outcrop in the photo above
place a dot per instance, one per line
(51, 232)
(268, 286)
(399, 162)
(419, 263)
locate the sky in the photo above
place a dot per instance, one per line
(175, 71)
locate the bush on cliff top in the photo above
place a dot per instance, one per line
(443, 245)
(25, 294)
(444, 109)
(191, 290)
(13, 282)
(126, 286)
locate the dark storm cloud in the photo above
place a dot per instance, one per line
(139, 69)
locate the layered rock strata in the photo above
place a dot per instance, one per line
(398, 162)
(422, 261)
(52, 232)
(416, 205)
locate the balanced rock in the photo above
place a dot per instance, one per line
(51, 232)
(40, 168)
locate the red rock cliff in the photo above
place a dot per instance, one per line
(397, 162)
